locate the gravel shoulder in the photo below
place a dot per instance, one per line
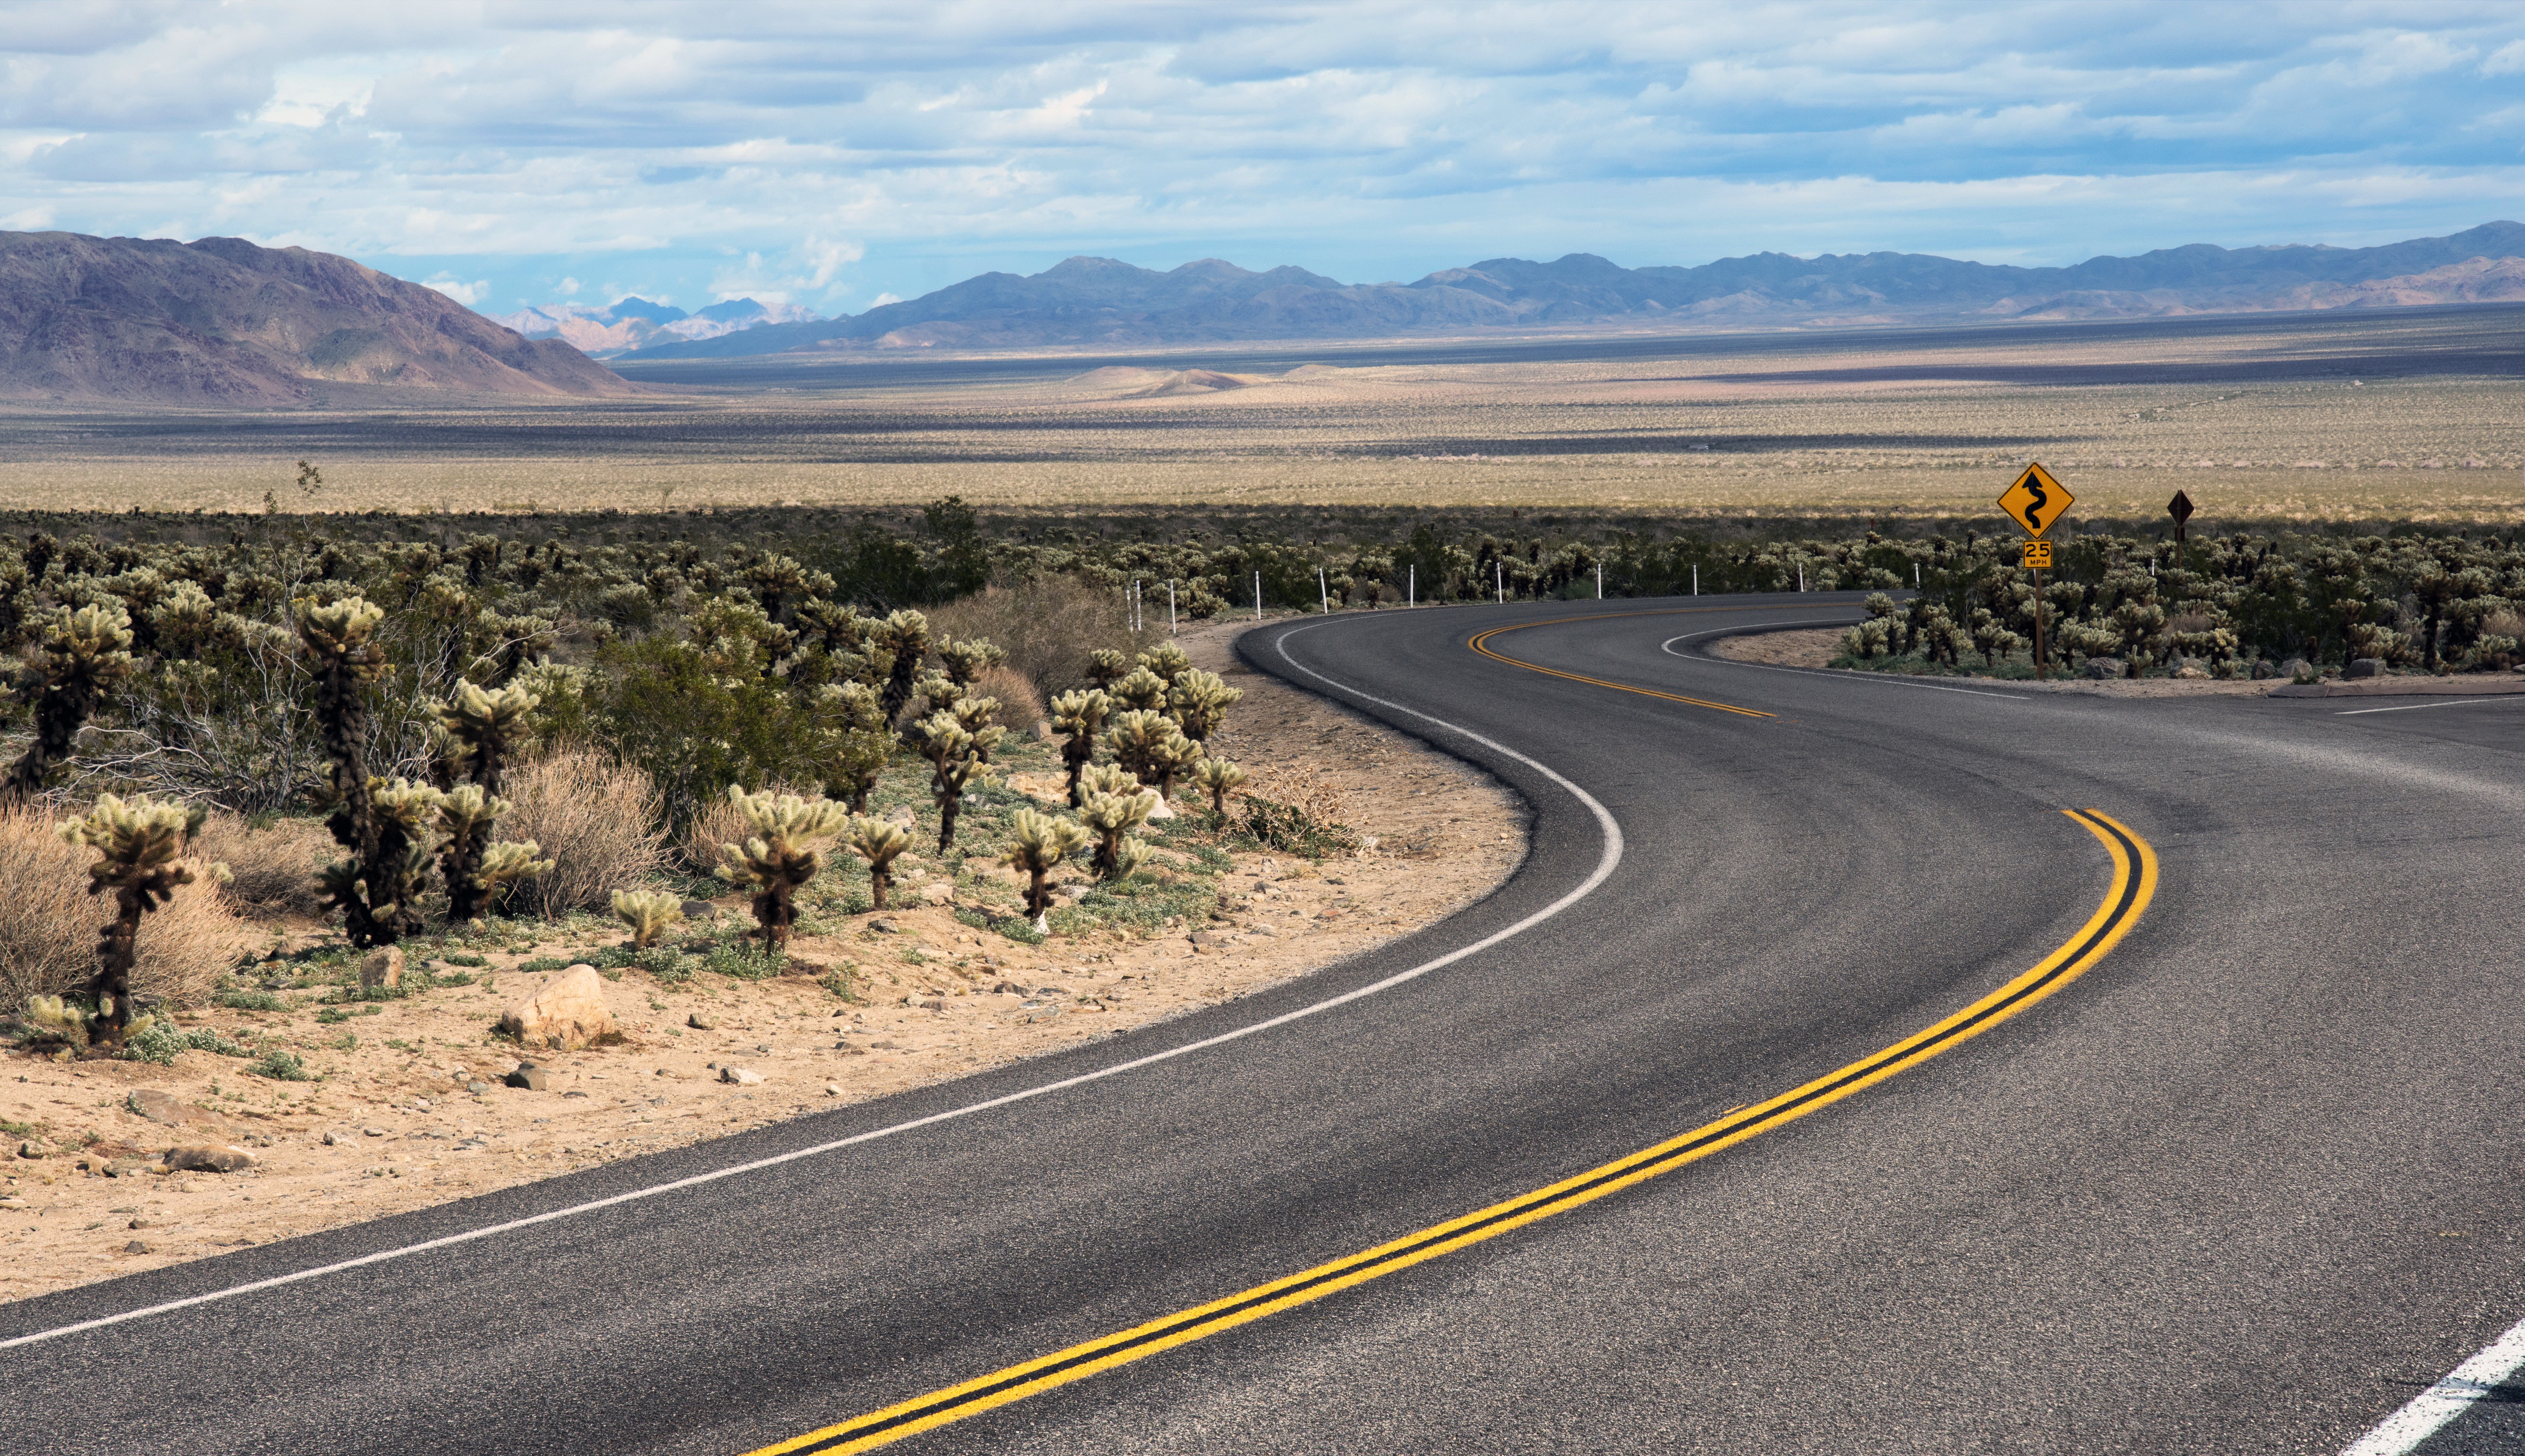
(412, 1108)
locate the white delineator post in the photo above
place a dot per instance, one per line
(1695, 578)
(1499, 580)
(1170, 607)
(1802, 576)
(1323, 592)
(1411, 588)
(1600, 581)
(1257, 596)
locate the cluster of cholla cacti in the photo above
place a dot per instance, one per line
(2224, 607)
(1128, 737)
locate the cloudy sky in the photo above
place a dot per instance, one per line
(831, 155)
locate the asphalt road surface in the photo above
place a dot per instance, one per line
(2246, 1183)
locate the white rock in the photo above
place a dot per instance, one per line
(567, 1014)
(740, 1076)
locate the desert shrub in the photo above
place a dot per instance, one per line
(49, 923)
(161, 1042)
(1020, 703)
(281, 1066)
(1048, 626)
(697, 844)
(1295, 810)
(251, 1001)
(596, 817)
(274, 865)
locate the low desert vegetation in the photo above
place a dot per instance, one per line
(458, 792)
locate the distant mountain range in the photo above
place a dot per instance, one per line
(1098, 301)
(634, 323)
(222, 321)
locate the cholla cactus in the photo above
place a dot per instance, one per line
(1199, 702)
(1142, 689)
(1111, 816)
(939, 691)
(340, 644)
(466, 814)
(1155, 750)
(648, 914)
(968, 661)
(878, 842)
(1037, 844)
(58, 1021)
(504, 863)
(777, 859)
(1079, 717)
(137, 845)
(1166, 661)
(1218, 778)
(956, 766)
(903, 636)
(856, 743)
(81, 655)
(1106, 668)
(487, 725)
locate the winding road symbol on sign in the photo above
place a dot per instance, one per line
(2036, 501)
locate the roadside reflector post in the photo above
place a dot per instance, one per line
(1411, 585)
(1600, 581)
(1323, 591)
(1170, 607)
(1695, 578)
(1257, 596)
(1802, 576)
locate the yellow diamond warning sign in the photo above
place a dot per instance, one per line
(2036, 499)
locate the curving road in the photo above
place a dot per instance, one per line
(2243, 1176)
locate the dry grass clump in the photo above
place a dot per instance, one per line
(719, 822)
(1020, 705)
(1293, 806)
(592, 814)
(49, 924)
(276, 865)
(1048, 626)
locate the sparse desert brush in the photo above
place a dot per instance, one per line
(1049, 625)
(1293, 808)
(273, 866)
(49, 924)
(1022, 703)
(595, 817)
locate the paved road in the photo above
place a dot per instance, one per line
(2247, 1185)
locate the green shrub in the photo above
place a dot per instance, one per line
(250, 1000)
(281, 1066)
(742, 962)
(161, 1041)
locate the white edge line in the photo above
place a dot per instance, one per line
(1604, 866)
(2457, 1391)
(2352, 712)
(1667, 646)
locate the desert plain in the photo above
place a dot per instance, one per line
(2403, 415)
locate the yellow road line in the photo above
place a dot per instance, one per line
(1481, 645)
(2134, 885)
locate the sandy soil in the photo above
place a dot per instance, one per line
(417, 1113)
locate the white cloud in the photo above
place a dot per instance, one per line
(782, 151)
(467, 294)
(567, 288)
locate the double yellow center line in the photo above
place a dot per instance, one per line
(2133, 884)
(1481, 644)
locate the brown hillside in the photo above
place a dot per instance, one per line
(223, 322)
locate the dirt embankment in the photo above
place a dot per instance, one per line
(414, 1109)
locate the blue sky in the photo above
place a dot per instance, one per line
(833, 155)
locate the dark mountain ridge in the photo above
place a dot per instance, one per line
(1102, 301)
(224, 322)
